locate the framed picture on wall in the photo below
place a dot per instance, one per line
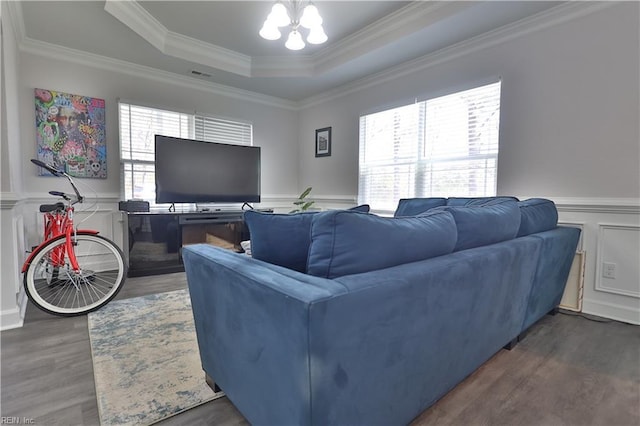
(70, 133)
(323, 142)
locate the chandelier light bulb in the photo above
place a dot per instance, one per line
(294, 42)
(269, 31)
(317, 35)
(310, 17)
(294, 14)
(279, 15)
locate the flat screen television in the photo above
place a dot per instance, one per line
(191, 171)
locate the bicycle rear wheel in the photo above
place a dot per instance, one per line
(53, 286)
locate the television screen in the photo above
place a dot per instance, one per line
(190, 171)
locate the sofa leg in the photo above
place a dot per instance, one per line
(512, 344)
(554, 311)
(212, 384)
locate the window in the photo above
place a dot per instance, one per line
(140, 124)
(442, 147)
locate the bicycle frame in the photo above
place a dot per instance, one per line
(54, 224)
(57, 223)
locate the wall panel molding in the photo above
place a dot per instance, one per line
(628, 255)
(9, 200)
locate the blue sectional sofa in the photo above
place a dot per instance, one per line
(383, 316)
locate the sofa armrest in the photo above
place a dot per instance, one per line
(251, 317)
(558, 250)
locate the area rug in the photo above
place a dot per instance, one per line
(145, 359)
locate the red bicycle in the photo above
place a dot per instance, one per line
(73, 271)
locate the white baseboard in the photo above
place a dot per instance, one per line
(11, 318)
(613, 311)
(14, 318)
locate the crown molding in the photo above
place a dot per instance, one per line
(198, 51)
(396, 25)
(56, 52)
(540, 21)
(134, 16)
(409, 19)
(305, 65)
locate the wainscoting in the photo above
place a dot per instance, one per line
(610, 234)
(610, 239)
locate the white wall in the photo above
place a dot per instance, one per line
(569, 126)
(569, 110)
(274, 127)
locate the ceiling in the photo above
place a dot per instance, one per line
(219, 39)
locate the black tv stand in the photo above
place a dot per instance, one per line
(156, 238)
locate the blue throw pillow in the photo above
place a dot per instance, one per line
(480, 225)
(537, 215)
(344, 243)
(283, 239)
(416, 206)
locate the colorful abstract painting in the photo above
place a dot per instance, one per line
(70, 131)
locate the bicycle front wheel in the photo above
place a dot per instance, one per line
(55, 287)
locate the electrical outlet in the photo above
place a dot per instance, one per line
(609, 270)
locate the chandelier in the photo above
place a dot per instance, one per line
(294, 14)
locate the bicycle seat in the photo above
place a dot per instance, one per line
(46, 208)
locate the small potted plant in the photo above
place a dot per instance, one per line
(302, 204)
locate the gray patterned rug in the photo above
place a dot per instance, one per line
(145, 359)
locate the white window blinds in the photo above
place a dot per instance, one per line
(442, 147)
(140, 124)
(212, 129)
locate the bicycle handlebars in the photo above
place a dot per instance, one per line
(60, 194)
(58, 173)
(47, 167)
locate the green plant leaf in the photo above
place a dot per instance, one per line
(305, 193)
(298, 203)
(307, 205)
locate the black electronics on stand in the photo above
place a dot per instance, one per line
(134, 206)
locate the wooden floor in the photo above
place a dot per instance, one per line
(567, 371)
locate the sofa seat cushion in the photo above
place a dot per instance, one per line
(480, 225)
(283, 239)
(537, 215)
(344, 243)
(416, 206)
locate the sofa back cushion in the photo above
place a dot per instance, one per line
(416, 206)
(537, 215)
(480, 225)
(474, 201)
(283, 239)
(345, 243)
